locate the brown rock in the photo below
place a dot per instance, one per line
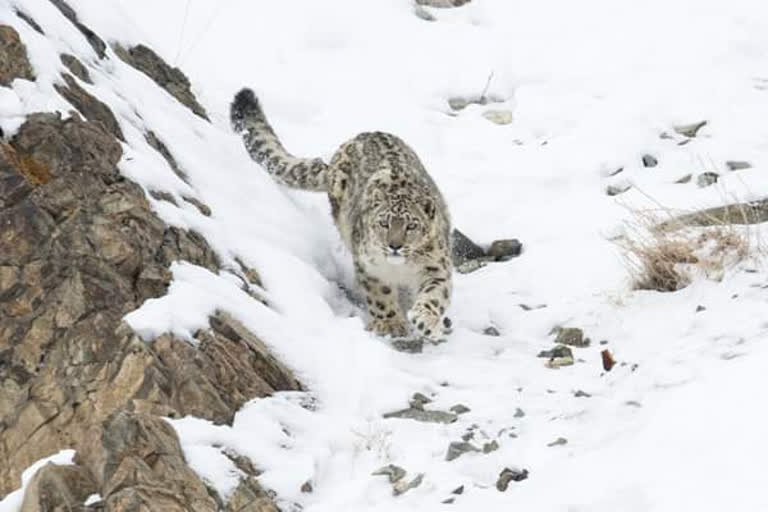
(92, 108)
(95, 41)
(58, 488)
(169, 78)
(79, 248)
(13, 57)
(76, 67)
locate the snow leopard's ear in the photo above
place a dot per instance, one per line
(429, 208)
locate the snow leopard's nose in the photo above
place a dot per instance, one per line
(394, 248)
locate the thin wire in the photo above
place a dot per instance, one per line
(202, 33)
(181, 35)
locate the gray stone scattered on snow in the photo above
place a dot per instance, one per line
(510, 475)
(470, 266)
(409, 345)
(491, 331)
(423, 13)
(306, 487)
(706, 179)
(460, 409)
(560, 441)
(528, 307)
(458, 490)
(700, 308)
(684, 179)
(633, 403)
(392, 472)
(490, 447)
(519, 413)
(689, 130)
(464, 249)
(456, 450)
(424, 416)
(418, 400)
(581, 394)
(503, 250)
(614, 190)
(499, 116)
(448, 501)
(402, 486)
(443, 4)
(737, 165)
(572, 336)
(558, 351)
(650, 161)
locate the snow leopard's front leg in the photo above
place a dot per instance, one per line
(431, 301)
(385, 316)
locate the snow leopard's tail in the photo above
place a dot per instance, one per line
(265, 148)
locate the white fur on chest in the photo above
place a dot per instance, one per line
(402, 275)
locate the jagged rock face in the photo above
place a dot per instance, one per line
(171, 79)
(79, 248)
(13, 57)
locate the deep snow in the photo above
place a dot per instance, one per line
(591, 85)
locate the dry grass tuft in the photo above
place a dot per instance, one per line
(666, 256)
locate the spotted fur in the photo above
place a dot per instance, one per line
(388, 210)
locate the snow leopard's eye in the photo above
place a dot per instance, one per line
(412, 225)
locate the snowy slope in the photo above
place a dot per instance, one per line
(591, 86)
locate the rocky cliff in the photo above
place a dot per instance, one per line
(81, 246)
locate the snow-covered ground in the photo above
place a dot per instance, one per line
(677, 425)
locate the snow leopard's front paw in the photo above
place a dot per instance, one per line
(425, 322)
(394, 327)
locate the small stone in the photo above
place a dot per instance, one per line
(423, 416)
(684, 179)
(737, 165)
(76, 67)
(572, 336)
(499, 116)
(394, 473)
(448, 501)
(306, 487)
(510, 475)
(616, 171)
(689, 130)
(491, 331)
(464, 249)
(519, 413)
(633, 403)
(423, 13)
(560, 441)
(470, 266)
(202, 207)
(700, 308)
(603, 342)
(401, 486)
(458, 490)
(650, 161)
(456, 450)
(581, 394)
(408, 345)
(418, 400)
(528, 307)
(460, 409)
(614, 190)
(503, 250)
(458, 103)
(490, 447)
(608, 360)
(558, 351)
(706, 179)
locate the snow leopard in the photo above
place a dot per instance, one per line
(389, 213)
